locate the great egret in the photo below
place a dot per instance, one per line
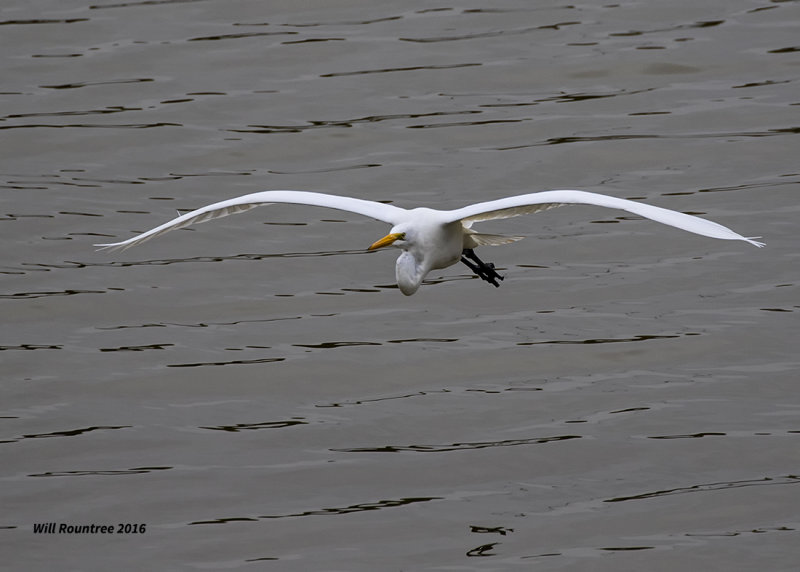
(430, 239)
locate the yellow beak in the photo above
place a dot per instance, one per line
(387, 240)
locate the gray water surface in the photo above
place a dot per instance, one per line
(258, 393)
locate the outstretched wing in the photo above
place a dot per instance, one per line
(535, 202)
(379, 211)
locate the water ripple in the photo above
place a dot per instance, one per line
(238, 427)
(482, 550)
(42, 21)
(377, 399)
(362, 507)
(67, 433)
(137, 348)
(490, 34)
(456, 446)
(692, 25)
(467, 123)
(101, 473)
(231, 362)
(140, 3)
(401, 69)
(29, 295)
(690, 435)
(104, 111)
(239, 36)
(76, 85)
(331, 345)
(198, 324)
(339, 23)
(639, 338)
(346, 123)
(778, 131)
(765, 481)
(93, 125)
(32, 347)
(501, 530)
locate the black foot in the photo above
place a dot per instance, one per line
(484, 270)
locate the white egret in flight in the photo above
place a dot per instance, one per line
(431, 239)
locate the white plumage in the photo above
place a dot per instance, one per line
(432, 239)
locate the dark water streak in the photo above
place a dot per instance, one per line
(760, 482)
(334, 511)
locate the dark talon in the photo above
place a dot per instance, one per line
(484, 270)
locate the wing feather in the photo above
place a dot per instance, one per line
(536, 202)
(473, 239)
(379, 211)
(508, 212)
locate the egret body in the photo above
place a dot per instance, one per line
(432, 239)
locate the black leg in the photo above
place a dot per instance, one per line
(484, 270)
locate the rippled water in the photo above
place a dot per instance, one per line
(258, 393)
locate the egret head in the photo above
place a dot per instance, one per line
(397, 239)
(409, 270)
